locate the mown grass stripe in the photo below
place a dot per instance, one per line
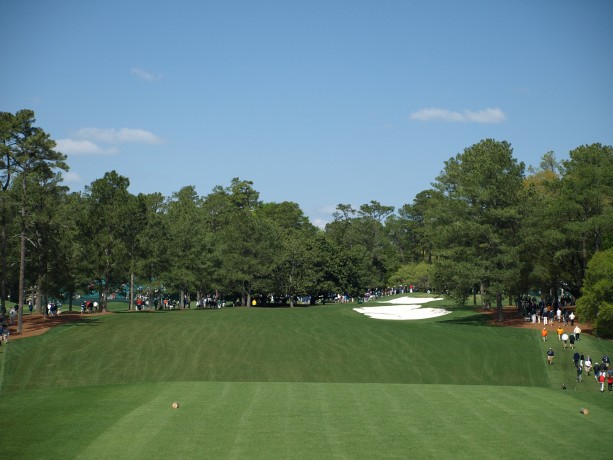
(319, 382)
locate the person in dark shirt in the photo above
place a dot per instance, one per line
(550, 355)
(579, 372)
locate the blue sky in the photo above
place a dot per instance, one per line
(316, 102)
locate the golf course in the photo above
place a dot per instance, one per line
(307, 382)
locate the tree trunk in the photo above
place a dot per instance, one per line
(39, 300)
(499, 306)
(35, 305)
(486, 305)
(22, 262)
(247, 291)
(3, 256)
(102, 294)
(131, 300)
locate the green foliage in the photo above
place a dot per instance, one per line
(107, 229)
(28, 156)
(297, 257)
(585, 208)
(482, 226)
(604, 322)
(369, 255)
(476, 219)
(596, 303)
(418, 274)
(187, 240)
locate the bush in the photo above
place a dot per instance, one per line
(604, 322)
(596, 303)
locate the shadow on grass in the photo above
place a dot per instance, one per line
(86, 321)
(474, 319)
(161, 311)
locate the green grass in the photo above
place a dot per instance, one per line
(316, 382)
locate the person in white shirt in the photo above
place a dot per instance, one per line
(587, 364)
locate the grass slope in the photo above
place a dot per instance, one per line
(320, 382)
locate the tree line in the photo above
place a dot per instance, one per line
(488, 226)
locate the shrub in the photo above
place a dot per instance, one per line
(596, 303)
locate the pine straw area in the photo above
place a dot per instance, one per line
(512, 318)
(37, 324)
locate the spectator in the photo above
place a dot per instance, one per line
(576, 359)
(550, 355)
(577, 332)
(587, 364)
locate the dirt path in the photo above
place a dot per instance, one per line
(37, 324)
(513, 319)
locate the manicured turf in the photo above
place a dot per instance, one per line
(317, 382)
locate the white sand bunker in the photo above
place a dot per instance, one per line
(404, 308)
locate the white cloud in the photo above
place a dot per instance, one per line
(118, 136)
(86, 141)
(82, 147)
(466, 116)
(321, 223)
(327, 209)
(144, 74)
(71, 177)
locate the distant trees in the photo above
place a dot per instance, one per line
(28, 158)
(585, 201)
(568, 218)
(596, 303)
(106, 227)
(484, 226)
(367, 254)
(476, 221)
(294, 271)
(187, 242)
